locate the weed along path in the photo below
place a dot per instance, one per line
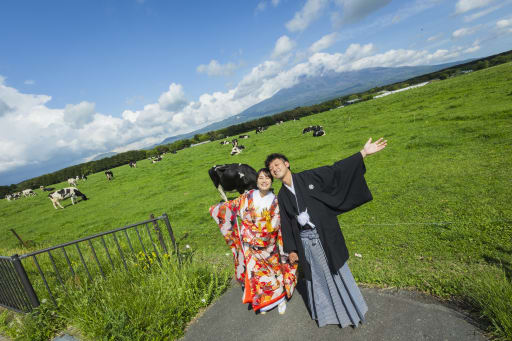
(392, 315)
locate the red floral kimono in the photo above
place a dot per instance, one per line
(261, 265)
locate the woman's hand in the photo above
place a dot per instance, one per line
(372, 148)
(293, 258)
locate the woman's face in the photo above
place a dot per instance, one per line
(264, 182)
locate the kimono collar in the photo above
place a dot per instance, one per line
(297, 197)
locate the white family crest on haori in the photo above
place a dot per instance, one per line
(311, 186)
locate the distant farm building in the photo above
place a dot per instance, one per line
(400, 90)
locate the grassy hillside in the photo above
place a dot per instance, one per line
(440, 221)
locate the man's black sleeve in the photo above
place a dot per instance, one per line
(287, 225)
(343, 184)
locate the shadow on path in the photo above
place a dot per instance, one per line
(392, 315)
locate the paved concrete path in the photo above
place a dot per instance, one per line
(392, 315)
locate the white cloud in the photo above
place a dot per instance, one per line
(435, 37)
(323, 43)
(355, 10)
(465, 31)
(29, 82)
(262, 5)
(76, 116)
(283, 45)
(310, 12)
(469, 18)
(174, 99)
(472, 49)
(464, 6)
(214, 68)
(504, 23)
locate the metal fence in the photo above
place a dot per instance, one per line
(25, 279)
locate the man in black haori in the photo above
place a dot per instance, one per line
(309, 203)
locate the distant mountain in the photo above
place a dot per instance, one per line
(104, 155)
(314, 90)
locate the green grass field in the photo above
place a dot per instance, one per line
(440, 221)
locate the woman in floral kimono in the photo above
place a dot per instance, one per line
(251, 227)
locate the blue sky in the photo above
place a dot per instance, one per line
(79, 78)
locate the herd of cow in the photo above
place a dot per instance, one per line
(226, 178)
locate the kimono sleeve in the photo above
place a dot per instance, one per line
(224, 215)
(343, 186)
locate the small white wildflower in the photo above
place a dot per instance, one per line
(187, 246)
(44, 300)
(227, 254)
(358, 255)
(203, 300)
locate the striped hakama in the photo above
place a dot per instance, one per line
(332, 298)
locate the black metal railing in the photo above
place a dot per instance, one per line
(81, 260)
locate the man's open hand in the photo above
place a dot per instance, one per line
(372, 148)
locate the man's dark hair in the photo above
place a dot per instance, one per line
(266, 171)
(274, 156)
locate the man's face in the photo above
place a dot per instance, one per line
(278, 168)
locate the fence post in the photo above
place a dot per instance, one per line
(169, 229)
(22, 275)
(159, 233)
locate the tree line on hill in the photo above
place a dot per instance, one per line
(234, 130)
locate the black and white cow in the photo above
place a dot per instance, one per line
(109, 175)
(158, 159)
(28, 193)
(84, 177)
(243, 136)
(318, 133)
(233, 177)
(61, 194)
(312, 128)
(224, 142)
(72, 182)
(133, 164)
(46, 189)
(235, 151)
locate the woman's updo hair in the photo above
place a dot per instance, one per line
(266, 171)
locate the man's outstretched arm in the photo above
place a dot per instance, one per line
(372, 148)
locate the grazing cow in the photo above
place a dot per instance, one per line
(278, 123)
(234, 142)
(8, 197)
(233, 177)
(307, 129)
(235, 151)
(61, 194)
(243, 136)
(109, 175)
(28, 192)
(158, 159)
(318, 133)
(260, 130)
(46, 189)
(224, 142)
(84, 177)
(312, 128)
(15, 196)
(133, 164)
(72, 182)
